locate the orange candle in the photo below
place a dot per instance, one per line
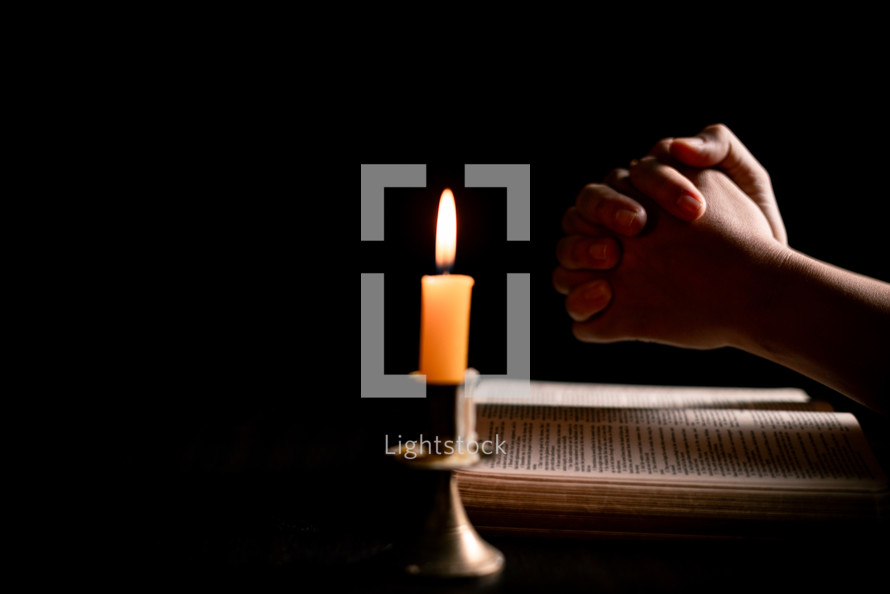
(445, 307)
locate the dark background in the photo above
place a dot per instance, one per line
(243, 446)
(828, 194)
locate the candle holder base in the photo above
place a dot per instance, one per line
(448, 545)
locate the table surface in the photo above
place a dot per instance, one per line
(276, 499)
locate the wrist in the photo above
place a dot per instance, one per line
(762, 285)
(824, 322)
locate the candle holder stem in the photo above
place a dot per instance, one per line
(448, 544)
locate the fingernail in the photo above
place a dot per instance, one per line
(689, 204)
(626, 218)
(598, 250)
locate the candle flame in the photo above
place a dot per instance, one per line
(446, 232)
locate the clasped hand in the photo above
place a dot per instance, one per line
(659, 251)
(686, 247)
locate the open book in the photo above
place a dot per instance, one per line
(588, 459)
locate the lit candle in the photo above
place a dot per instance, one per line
(445, 307)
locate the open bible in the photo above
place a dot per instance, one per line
(588, 459)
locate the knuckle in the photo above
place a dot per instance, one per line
(591, 201)
(662, 148)
(569, 219)
(559, 281)
(586, 196)
(649, 162)
(616, 176)
(564, 251)
(719, 130)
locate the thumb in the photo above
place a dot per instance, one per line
(717, 146)
(697, 151)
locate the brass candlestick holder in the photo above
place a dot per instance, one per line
(448, 544)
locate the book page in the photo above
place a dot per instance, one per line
(750, 448)
(505, 391)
